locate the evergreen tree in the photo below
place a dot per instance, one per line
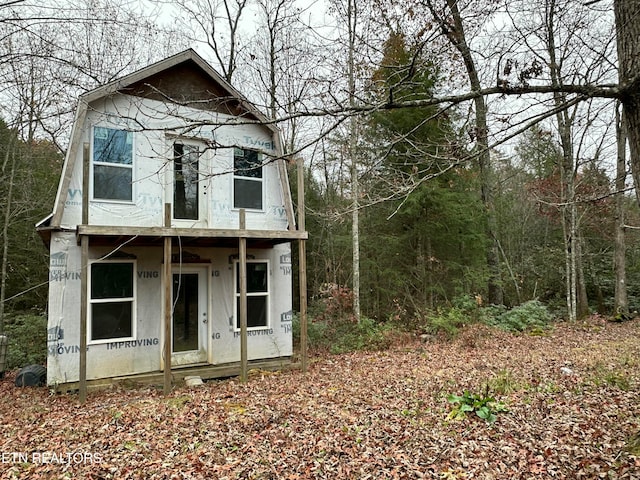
(423, 245)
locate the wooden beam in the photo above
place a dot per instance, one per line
(84, 279)
(243, 299)
(302, 270)
(167, 282)
(115, 230)
(84, 273)
(284, 182)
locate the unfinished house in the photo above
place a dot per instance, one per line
(170, 237)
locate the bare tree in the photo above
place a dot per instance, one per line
(52, 54)
(451, 22)
(219, 22)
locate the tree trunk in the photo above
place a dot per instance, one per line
(577, 302)
(456, 35)
(621, 302)
(627, 15)
(582, 302)
(355, 205)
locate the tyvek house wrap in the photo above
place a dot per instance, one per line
(144, 351)
(152, 188)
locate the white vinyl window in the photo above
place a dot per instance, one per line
(111, 300)
(247, 179)
(257, 294)
(112, 164)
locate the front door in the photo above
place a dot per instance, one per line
(190, 316)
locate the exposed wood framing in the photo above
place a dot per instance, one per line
(82, 391)
(243, 299)
(284, 183)
(206, 372)
(114, 230)
(302, 269)
(84, 278)
(167, 302)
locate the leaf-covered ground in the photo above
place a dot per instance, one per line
(572, 399)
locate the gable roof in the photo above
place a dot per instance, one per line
(172, 79)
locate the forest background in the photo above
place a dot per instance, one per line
(463, 160)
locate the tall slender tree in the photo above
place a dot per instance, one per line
(451, 22)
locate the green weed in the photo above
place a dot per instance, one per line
(484, 406)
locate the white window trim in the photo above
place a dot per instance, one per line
(90, 302)
(118, 165)
(236, 295)
(262, 180)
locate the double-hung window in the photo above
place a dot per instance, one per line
(257, 294)
(112, 300)
(247, 179)
(112, 164)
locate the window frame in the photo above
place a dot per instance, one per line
(91, 301)
(237, 177)
(94, 163)
(236, 297)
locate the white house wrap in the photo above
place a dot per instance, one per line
(171, 139)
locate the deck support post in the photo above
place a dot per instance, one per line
(167, 301)
(302, 269)
(84, 273)
(242, 254)
(84, 277)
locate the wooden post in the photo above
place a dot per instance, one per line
(302, 269)
(84, 274)
(167, 302)
(84, 277)
(243, 298)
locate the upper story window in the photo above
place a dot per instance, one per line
(185, 181)
(247, 179)
(112, 164)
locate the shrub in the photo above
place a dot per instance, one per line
(345, 336)
(529, 315)
(365, 335)
(447, 322)
(467, 303)
(27, 334)
(333, 303)
(316, 334)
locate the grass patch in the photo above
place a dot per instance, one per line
(504, 383)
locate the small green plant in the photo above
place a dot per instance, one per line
(484, 406)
